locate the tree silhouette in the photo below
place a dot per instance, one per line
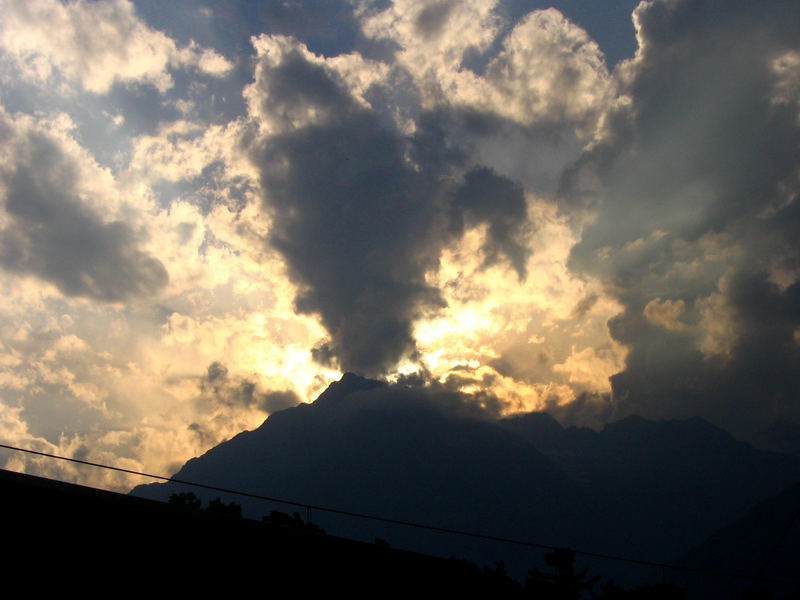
(187, 499)
(282, 519)
(218, 506)
(562, 582)
(498, 579)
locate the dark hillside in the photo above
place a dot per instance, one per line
(67, 537)
(765, 542)
(664, 482)
(638, 488)
(396, 453)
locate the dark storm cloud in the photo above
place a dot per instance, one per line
(220, 390)
(352, 219)
(415, 392)
(53, 235)
(359, 223)
(297, 84)
(354, 227)
(486, 197)
(589, 409)
(695, 189)
(667, 375)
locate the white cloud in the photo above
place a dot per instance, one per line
(547, 70)
(182, 149)
(433, 37)
(97, 43)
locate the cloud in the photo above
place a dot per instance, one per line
(385, 198)
(345, 206)
(189, 152)
(358, 224)
(96, 43)
(521, 97)
(109, 378)
(52, 233)
(100, 348)
(432, 38)
(549, 70)
(688, 197)
(609, 25)
(540, 69)
(226, 404)
(364, 205)
(486, 197)
(666, 313)
(219, 389)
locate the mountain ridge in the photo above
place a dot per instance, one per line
(637, 488)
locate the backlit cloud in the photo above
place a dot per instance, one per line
(693, 189)
(208, 211)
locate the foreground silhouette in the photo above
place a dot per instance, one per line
(563, 582)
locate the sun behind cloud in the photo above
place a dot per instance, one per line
(207, 214)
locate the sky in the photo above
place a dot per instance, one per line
(211, 210)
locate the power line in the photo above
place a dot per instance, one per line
(481, 536)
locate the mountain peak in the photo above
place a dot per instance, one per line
(651, 488)
(350, 383)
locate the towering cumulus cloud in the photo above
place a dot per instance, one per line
(352, 218)
(358, 220)
(692, 188)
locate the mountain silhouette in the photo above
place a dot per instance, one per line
(765, 542)
(669, 480)
(637, 488)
